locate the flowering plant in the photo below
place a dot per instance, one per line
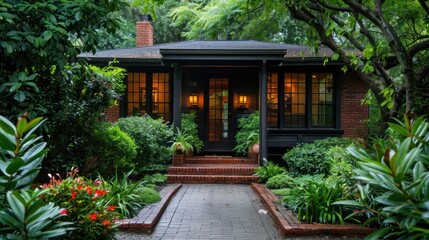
(83, 202)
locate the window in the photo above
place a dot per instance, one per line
(149, 93)
(273, 99)
(136, 94)
(322, 107)
(294, 100)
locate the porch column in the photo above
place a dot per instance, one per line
(263, 113)
(177, 96)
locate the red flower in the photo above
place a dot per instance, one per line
(106, 223)
(99, 192)
(93, 216)
(74, 194)
(63, 212)
(111, 208)
(79, 187)
(89, 190)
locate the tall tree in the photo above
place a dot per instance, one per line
(385, 42)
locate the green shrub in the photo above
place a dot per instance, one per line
(149, 195)
(269, 170)
(313, 201)
(397, 174)
(342, 165)
(151, 137)
(312, 158)
(247, 126)
(280, 181)
(156, 179)
(110, 150)
(190, 126)
(281, 192)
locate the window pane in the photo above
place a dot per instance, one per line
(272, 99)
(294, 99)
(136, 94)
(322, 97)
(161, 96)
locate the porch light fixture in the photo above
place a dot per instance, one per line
(242, 99)
(193, 100)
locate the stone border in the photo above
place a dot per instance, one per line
(288, 224)
(149, 216)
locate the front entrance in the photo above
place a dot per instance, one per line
(219, 97)
(217, 114)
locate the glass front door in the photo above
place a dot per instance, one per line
(218, 127)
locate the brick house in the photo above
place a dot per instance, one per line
(299, 98)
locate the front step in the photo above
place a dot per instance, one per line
(213, 169)
(220, 160)
(201, 179)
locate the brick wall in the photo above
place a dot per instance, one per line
(112, 114)
(144, 33)
(353, 90)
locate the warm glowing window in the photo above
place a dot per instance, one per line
(322, 107)
(294, 99)
(272, 99)
(136, 94)
(161, 95)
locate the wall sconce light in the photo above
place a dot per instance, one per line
(193, 100)
(242, 99)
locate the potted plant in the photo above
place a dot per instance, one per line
(182, 145)
(247, 136)
(253, 142)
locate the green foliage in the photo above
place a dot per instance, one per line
(151, 137)
(342, 165)
(149, 195)
(85, 204)
(156, 179)
(268, 171)
(312, 158)
(190, 126)
(280, 181)
(313, 201)
(27, 217)
(281, 192)
(182, 141)
(21, 153)
(110, 150)
(248, 130)
(397, 173)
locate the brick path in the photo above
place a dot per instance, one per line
(209, 211)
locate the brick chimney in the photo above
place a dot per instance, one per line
(144, 31)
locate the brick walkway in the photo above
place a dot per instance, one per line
(209, 211)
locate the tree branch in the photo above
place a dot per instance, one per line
(416, 48)
(334, 8)
(424, 6)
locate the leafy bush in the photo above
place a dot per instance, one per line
(23, 214)
(157, 179)
(83, 200)
(313, 201)
(110, 150)
(397, 174)
(269, 170)
(312, 158)
(342, 165)
(280, 181)
(151, 137)
(281, 192)
(247, 126)
(190, 126)
(149, 195)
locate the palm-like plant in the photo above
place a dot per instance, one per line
(182, 142)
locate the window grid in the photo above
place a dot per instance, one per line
(322, 108)
(161, 96)
(218, 109)
(272, 99)
(136, 94)
(294, 100)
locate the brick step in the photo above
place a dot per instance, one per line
(220, 160)
(213, 169)
(201, 179)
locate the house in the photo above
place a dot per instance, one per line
(299, 98)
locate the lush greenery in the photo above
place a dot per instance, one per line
(314, 158)
(190, 126)
(248, 133)
(269, 170)
(22, 213)
(397, 177)
(280, 181)
(182, 142)
(151, 137)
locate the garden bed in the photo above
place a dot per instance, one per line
(149, 216)
(289, 225)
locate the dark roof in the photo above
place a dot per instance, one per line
(252, 49)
